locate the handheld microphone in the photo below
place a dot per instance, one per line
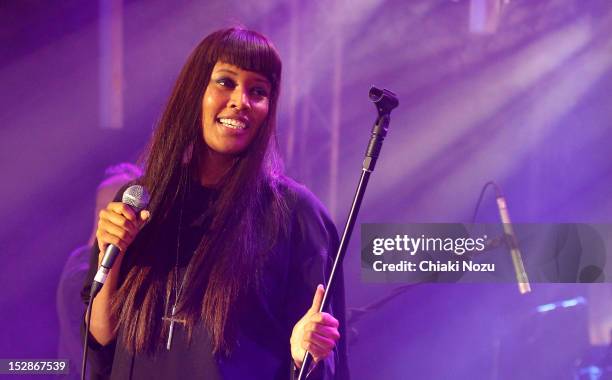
(137, 198)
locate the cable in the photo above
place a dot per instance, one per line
(482, 192)
(85, 345)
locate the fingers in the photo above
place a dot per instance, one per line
(315, 332)
(324, 319)
(105, 238)
(145, 215)
(318, 298)
(125, 232)
(118, 224)
(124, 210)
(118, 219)
(327, 342)
(323, 335)
(322, 330)
(320, 335)
(319, 349)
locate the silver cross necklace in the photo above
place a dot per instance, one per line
(177, 291)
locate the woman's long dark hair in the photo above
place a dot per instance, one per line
(247, 216)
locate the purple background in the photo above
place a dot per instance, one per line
(527, 106)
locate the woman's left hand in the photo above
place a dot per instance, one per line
(315, 332)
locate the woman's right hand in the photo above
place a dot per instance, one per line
(118, 224)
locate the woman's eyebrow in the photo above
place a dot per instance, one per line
(258, 77)
(226, 71)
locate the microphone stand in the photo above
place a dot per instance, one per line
(385, 101)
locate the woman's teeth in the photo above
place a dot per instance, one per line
(232, 123)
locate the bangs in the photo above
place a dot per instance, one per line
(250, 51)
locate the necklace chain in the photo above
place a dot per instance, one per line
(172, 319)
(177, 290)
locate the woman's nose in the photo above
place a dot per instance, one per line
(240, 99)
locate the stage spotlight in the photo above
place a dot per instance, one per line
(485, 15)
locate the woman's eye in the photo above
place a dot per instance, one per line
(260, 91)
(225, 82)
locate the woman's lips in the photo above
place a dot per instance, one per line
(232, 123)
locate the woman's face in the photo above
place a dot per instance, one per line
(234, 106)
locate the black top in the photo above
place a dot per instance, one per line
(301, 260)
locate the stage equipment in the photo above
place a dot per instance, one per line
(385, 101)
(509, 236)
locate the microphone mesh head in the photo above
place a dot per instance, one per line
(136, 196)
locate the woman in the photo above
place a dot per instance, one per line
(217, 277)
